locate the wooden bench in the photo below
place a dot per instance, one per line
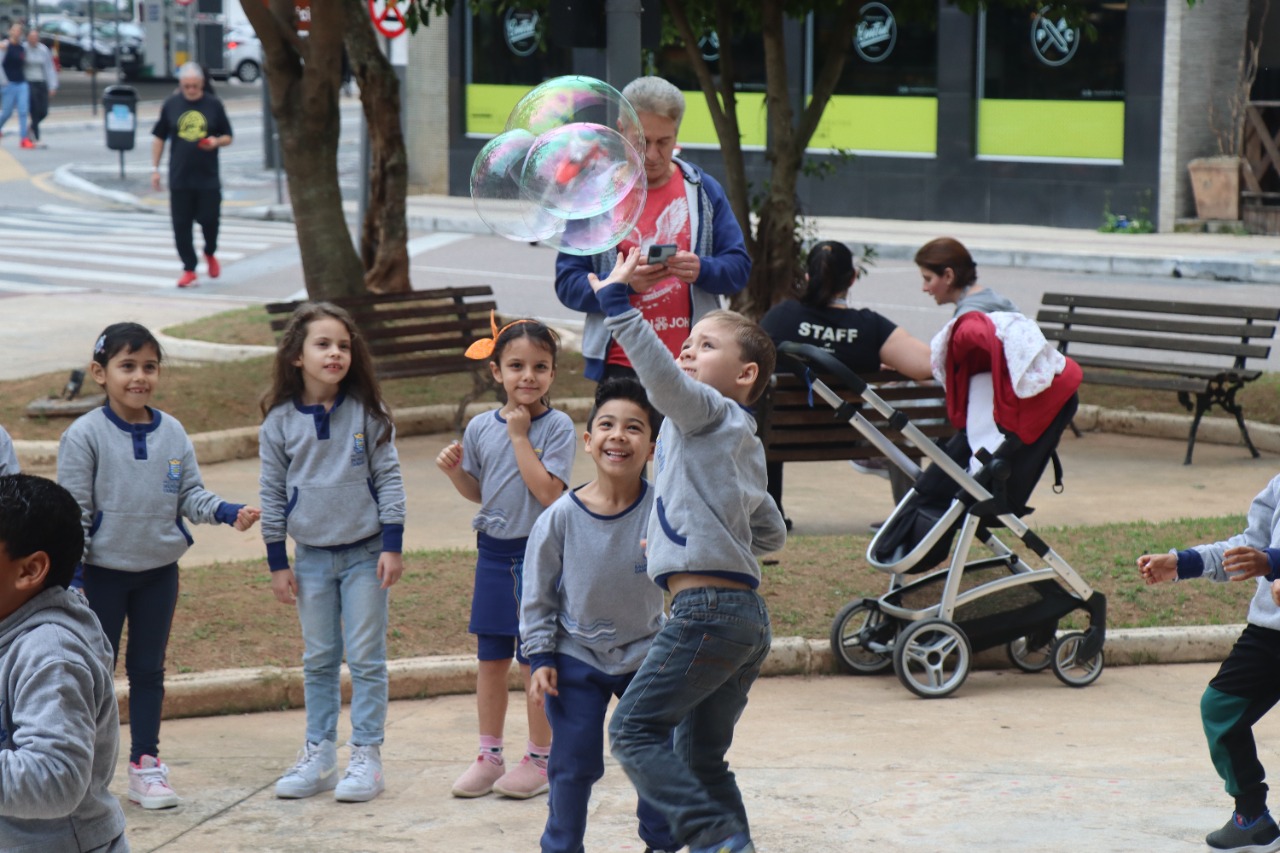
(1190, 348)
(794, 430)
(420, 333)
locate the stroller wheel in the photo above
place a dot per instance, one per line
(932, 658)
(862, 638)
(1069, 667)
(1034, 652)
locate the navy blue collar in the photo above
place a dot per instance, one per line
(497, 413)
(133, 428)
(318, 408)
(644, 489)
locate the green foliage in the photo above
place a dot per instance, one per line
(1119, 223)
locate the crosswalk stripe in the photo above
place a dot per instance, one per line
(27, 287)
(98, 259)
(52, 247)
(94, 276)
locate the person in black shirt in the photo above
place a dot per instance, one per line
(196, 123)
(15, 94)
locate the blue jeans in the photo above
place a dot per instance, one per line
(147, 600)
(340, 602)
(577, 761)
(15, 96)
(694, 680)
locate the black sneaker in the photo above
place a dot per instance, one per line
(1262, 837)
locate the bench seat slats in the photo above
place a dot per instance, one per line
(1160, 306)
(1205, 374)
(1136, 323)
(1114, 339)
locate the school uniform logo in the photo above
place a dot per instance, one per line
(173, 477)
(357, 450)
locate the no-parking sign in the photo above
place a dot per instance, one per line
(389, 16)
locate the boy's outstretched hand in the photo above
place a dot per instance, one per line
(1244, 563)
(542, 684)
(247, 517)
(1156, 568)
(623, 267)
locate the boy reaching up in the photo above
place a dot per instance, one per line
(59, 724)
(588, 611)
(711, 518)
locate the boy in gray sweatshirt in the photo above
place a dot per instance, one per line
(712, 517)
(59, 726)
(1245, 687)
(589, 612)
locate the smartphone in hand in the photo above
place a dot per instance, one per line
(660, 253)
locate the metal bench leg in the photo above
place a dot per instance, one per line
(1229, 403)
(1202, 403)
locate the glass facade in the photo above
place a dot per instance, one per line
(506, 57)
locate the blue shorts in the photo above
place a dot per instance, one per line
(495, 599)
(499, 647)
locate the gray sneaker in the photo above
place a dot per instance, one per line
(363, 780)
(316, 770)
(1262, 836)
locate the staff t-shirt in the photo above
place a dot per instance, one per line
(184, 123)
(667, 306)
(853, 335)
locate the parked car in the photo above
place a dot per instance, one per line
(243, 52)
(126, 39)
(74, 47)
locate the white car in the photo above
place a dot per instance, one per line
(243, 52)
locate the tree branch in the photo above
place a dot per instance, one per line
(836, 51)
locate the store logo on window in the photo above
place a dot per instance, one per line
(521, 27)
(1054, 42)
(710, 46)
(877, 33)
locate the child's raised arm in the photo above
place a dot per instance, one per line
(623, 267)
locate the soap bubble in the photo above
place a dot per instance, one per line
(568, 170)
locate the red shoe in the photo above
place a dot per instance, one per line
(215, 268)
(27, 143)
(188, 279)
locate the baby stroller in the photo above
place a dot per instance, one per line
(938, 612)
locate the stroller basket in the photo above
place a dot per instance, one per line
(927, 628)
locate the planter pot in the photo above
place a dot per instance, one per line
(1216, 184)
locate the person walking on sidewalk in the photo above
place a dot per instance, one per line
(1244, 689)
(196, 124)
(42, 81)
(16, 94)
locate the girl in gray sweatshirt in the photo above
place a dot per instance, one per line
(133, 471)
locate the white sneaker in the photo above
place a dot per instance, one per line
(363, 780)
(316, 770)
(149, 784)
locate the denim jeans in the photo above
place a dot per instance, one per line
(147, 600)
(577, 761)
(340, 602)
(15, 96)
(694, 680)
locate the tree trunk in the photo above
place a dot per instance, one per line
(384, 234)
(304, 102)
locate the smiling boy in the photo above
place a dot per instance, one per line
(59, 724)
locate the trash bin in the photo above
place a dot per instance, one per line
(120, 106)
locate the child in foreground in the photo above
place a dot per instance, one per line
(331, 480)
(588, 611)
(59, 727)
(711, 518)
(1244, 688)
(515, 463)
(133, 471)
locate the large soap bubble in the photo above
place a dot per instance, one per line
(568, 170)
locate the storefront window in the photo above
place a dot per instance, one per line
(507, 56)
(886, 99)
(1050, 88)
(697, 130)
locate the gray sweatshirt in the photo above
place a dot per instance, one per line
(8, 456)
(326, 481)
(1262, 531)
(585, 590)
(59, 730)
(135, 483)
(711, 514)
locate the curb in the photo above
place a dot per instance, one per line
(238, 691)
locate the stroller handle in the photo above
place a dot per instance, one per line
(825, 361)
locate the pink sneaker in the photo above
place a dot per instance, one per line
(149, 784)
(479, 778)
(523, 781)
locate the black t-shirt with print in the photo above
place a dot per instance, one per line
(853, 335)
(183, 124)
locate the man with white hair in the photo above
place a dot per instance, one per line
(685, 207)
(197, 125)
(42, 81)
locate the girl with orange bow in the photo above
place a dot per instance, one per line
(514, 462)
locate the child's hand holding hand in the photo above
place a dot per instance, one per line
(1244, 563)
(518, 421)
(450, 458)
(284, 587)
(247, 517)
(1156, 568)
(542, 684)
(623, 268)
(390, 568)
(1275, 592)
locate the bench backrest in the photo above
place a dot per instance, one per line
(1228, 331)
(795, 431)
(419, 333)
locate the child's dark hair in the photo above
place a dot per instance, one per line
(37, 514)
(538, 332)
(124, 337)
(831, 273)
(625, 388)
(361, 382)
